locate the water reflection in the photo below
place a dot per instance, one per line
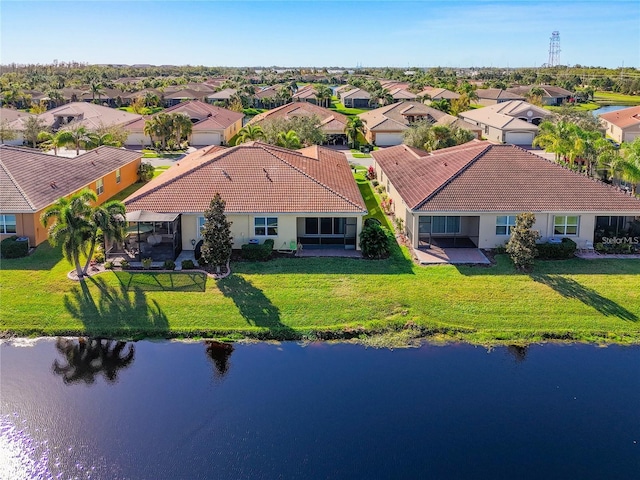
(219, 353)
(519, 352)
(87, 358)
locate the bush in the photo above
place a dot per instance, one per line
(375, 183)
(374, 241)
(188, 265)
(145, 172)
(99, 257)
(108, 265)
(11, 248)
(557, 251)
(124, 264)
(169, 265)
(257, 252)
(146, 263)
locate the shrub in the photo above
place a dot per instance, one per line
(188, 265)
(169, 265)
(374, 242)
(371, 173)
(375, 183)
(124, 264)
(399, 224)
(99, 257)
(108, 265)
(12, 248)
(521, 247)
(145, 172)
(557, 251)
(146, 263)
(257, 252)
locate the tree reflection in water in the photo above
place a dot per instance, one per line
(519, 352)
(219, 353)
(87, 358)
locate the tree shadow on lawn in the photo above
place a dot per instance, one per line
(113, 312)
(254, 306)
(150, 281)
(569, 288)
(45, 257)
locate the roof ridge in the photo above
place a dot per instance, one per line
(327, 187)
(17, 185)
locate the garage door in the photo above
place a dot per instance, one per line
(137, 140)
(388, 139)
(631, 136)
(519, 138)
(203, 138)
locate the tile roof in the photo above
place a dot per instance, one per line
(495, 116)
(211, 117)
(356, 93)
(550, 90)
(225, 94)
(329, 119)
(92, 116)
(497, 94)
(484, 177)
(437, 93)
(15, 118)
(255, 178)
(308, 91)
(31, 180)
(624, 118)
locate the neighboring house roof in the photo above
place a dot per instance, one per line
(89, 115)
(497, 94)
(184, 93)
(550, 91)
(484, 177)
(329, 119)
(439, 93)
(13, 117)
(225, 94)
(266, 92)
(402, 94)
(495, 116)
(31, 180)
(305, 92)
(355, 93)
(255, 178)
(197, 87)
(142, 93)
(203, 115)
(395, 117)
(518, 108)
(624, 118)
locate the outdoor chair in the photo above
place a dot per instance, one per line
(588, 247)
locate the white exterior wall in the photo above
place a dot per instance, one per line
(137, 139)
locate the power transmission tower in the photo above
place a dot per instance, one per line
(554, 49)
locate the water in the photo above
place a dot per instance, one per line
(607, 109)
(190, 410)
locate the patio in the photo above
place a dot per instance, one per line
(455, 256)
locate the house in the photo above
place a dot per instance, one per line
(470, 194)
(491, 96)
(437, 93)
(268, 97)
(308, 196)
(88, 115)
(14, 120)
(552, 95)
(211, 125)
(332, 123)
(306, 94)
(385, 126)
(356, 98)
(223, 96)
(622, 125)
(171, 99)
(30, 181)
(514, 122)
(401, 94)
(128, 98)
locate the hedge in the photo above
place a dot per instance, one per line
(11, 248)
(257, 251)
(557, 251)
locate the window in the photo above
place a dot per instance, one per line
(7, 224)
(324, 226)
(118, 176)
(99, 186)
(265, 226)
(445, 225)
(201, 221)
(565, 225)
(504, 224)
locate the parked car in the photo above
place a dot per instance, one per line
(615, 144)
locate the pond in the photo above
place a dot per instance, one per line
(607, 109)
(156, 410)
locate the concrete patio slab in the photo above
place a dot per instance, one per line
(436, 255)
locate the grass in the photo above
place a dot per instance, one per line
(145, 110)
(580, 107)
(132, 188)
(612, 98)
(361, 155)
(159, 170)
(384, 301)
(349, 112)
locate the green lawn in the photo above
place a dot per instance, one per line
(350, 112)
(145, 110)
(294, 298)
(612, 98)
(580, 107)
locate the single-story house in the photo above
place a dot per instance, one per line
(552, 95)
(14, 120)
(491, 96)
(306, 94)
(401, 94)
(332, 123)
(89, 115)
(308, 196)
(514, 122)
(437, 93)
(30, 181)
(172, 99)
(211, 125)
(385, 126)
(356, 98)
(622, 125)
(224, 96)
(471, 194)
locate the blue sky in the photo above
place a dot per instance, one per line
(321, 33)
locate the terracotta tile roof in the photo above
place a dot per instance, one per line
(483, 177)
(437, 93)
(31, 180)
(212, 117)
(225, 94)
(549, 90)
(305, 92)
(494, 116)
(304, 109)
(356, 93)
(624, 118)
(255, 177)
(497, 94)
(92, 116)
(13, 117)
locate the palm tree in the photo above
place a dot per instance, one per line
(443, 105)
(96, 89)
(69, 225)
(76, 136)
(53, 140)
(353, 129)
(182, 127)
(150, 129)
(97, 139)
(249, 133)
(554, 137)
(108, 218)
(288, 140)
(323, 95)
(631, 155)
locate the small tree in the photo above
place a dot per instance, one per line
(32, 128)
(521, 247)
(216, 235)
(374, 241)
(7, 132)
(145, 172)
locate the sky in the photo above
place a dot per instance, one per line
(317, 33)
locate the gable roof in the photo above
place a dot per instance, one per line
(624, 118)
(32, 180)
(355, 93)
(207, 116)
(89, 115)
(484, 177)
(437, 93)
(495, 116)
(225, 94)
(14, 118)
(308, 91)
(550, 91)
(329, 119)
(497, 94)
(255, 178)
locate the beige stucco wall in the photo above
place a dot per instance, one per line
(621, 135)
